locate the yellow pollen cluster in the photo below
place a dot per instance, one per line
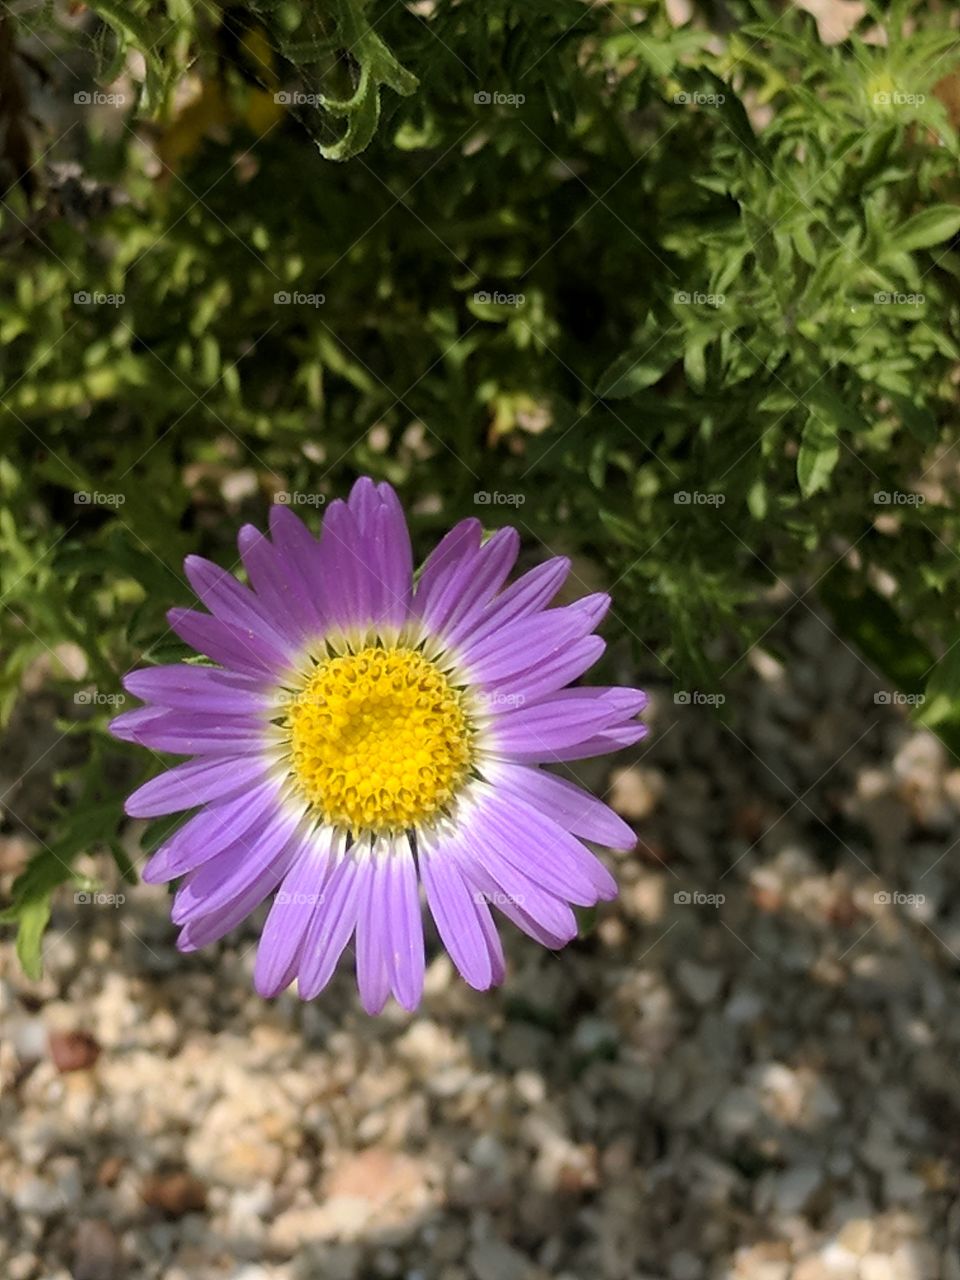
(379, 740)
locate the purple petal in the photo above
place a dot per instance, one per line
(233, 604)
(351, 602)
(128, 725)
(195, 783)
(458, 911)
(372, 978)
(210, 888)
(513, 888)
(404, 952)
(298, 898)
(388, 555)
(198, 689)
(279, 585)
(527, 641)
(623, 702)
(214, 829)
(238, 650)
(457, 590)
(488, 570)
(300, 551)
(190, 733)
(508, 903)
(363, 502)
(442, 565)
(547, 677)
(333, 923)
(600, 745)
(573, 808)
(225, 914)
(547, 726)
(539, 847)
(498, 967)
(527, 595)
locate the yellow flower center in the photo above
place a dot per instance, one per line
(379, 740)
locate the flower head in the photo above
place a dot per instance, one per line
(364, 732)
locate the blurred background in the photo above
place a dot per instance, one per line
(673, 290)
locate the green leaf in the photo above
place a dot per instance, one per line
(636, 370)
(929, 227)
(378, 67)
(33, 918)
(872, 624)
(695, 359)
(757, 499)
(917, 418)
(586, 921)
(818, 455)
(943, 689)
(30, 906)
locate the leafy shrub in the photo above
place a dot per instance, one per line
(679, 297)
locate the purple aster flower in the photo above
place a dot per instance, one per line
(366, 731)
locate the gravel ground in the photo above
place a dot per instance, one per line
(747, 1071)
